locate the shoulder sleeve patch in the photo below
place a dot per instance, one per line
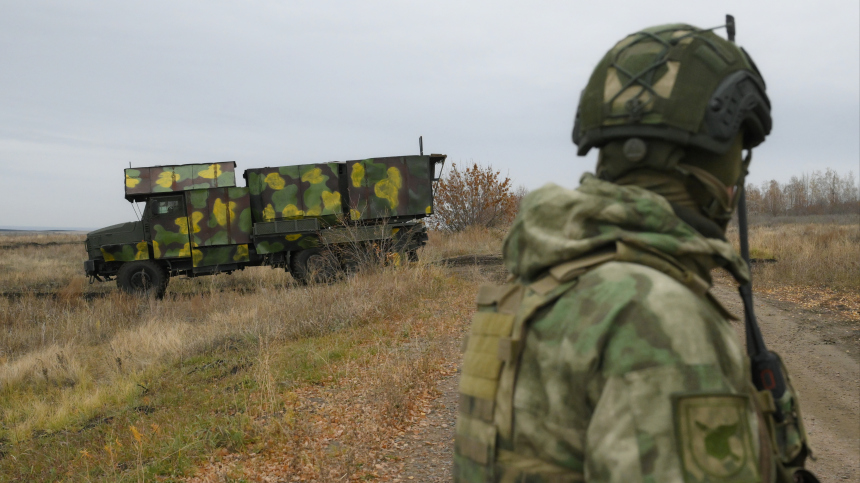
(714, 438)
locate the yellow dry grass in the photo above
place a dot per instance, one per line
(73, 354)
(471, 241)
(816, 264)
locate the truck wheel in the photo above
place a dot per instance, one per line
(143, 278)
(314, 265)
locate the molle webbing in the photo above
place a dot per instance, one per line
(492, 350)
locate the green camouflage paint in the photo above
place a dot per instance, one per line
(285, 243)
(293, 192)
(206, 256)
(365, 189)
(219, 216)
(140, 182)
(392, 186)
(169, 227)
(126, 252)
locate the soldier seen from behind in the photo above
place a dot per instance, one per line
(606, 358)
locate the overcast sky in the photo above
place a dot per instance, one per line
(88, 87)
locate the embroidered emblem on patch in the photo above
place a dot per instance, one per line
(714, 438)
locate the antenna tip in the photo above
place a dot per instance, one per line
(730, 27)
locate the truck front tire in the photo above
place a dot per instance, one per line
(143, 278)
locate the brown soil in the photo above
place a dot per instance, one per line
(820, 351)
(821, 354)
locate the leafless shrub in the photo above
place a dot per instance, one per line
(475, 196)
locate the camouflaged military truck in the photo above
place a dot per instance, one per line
(196, 221)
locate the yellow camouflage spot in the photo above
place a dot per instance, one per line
(274, 181)
(268, 213)
(292, 211)
(293, 237)
(357, 174)
(315, 211)
(196, 216)
(182, 222)
(196, 257)
(394, 231)
(428, 210)
(354, 214)
(166, 178)
(389, 187)
(142, 251)
(313, 176)
(156, 250)
(395, 259)
(108, 256)
(220, 211)
(186, 251)
(131, 182)
(331, 200)
(241, 253)
(212, 172)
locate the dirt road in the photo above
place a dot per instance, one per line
(822, 355)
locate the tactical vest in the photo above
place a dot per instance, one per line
(483, 450)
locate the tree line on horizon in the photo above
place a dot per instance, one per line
(478, 195)
(818, 193)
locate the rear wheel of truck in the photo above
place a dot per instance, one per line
(143, 278)
(314, 265)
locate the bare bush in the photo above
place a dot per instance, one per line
(476, 196)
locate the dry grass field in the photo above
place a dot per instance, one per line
(98, 385)
(815, 261)
(249, 370)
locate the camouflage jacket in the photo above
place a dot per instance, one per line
(627, 374)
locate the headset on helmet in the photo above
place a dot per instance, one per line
(675, 83)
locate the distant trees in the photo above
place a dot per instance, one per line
(475, 196)
(808, 194)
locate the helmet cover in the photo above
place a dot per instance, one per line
(674, 83)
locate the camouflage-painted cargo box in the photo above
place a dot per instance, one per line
(363, 189)
(142, 182)
(294, 192)
(390, 187)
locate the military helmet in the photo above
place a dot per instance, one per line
(674, 83)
